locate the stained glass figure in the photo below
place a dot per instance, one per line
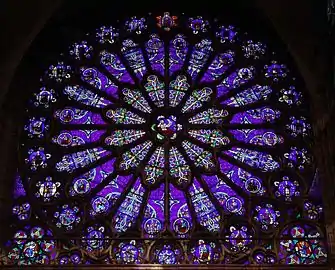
(166, 147)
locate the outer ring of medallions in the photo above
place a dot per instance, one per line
(238, 222)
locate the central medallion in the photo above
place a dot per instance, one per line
(166, 127)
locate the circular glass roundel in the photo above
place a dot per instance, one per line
(164, 126)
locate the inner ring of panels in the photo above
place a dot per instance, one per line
(174, 128)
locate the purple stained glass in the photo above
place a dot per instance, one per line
(262, 137)
(19, 190)
(177, 53)
(204, 209)
(180, 215)
(128, 211)
(99, 81)
(304, 247)
(249, 96)
(134, 56)
(231, 202)
(199, 57)
(81, 50)
(198, 25)
(256, 116)
(249, 183)
(253, 158)
(156, 53)
(85, 96)
(235, 80)
(219, 66)
(85, 183)
(112, 63)
(106, 198)
(227, 34)
(69, 138)
(168, 142)
(81, 159)
(107, 34)
(75, 116)
(154, 218)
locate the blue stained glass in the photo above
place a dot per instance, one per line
(115, 67)
(123, 116)
(178, 167)
(180, 215)
(135, 98)
(210, 116)
(19, 190)
(47, 190)
(155, 168)
(123, 137)
(219, 66)
(156, 53)
(150, 164)
(201, 157)
(262, 137)
(85, 183)
(235, 80)
(106, 198)
(214, 138)
(59, 72)
(198, 24)
(156, 90)
(245, 180)
(177, 89)
(85, 96)
(44, 98)
(199, 57)
(197, 99)
(302, 245)
(286, 189)
(153, 222)
(253, 158)
(298, 158)
(275, 71)
(75, 116)
(98, 80)
(36, 127)
(290, 96)
(134, 56)
(107, 34)
(129, 210)
(136, 25)
(80, 159)
(231, 202)
(22, 211)
(256, 116)
(177, 53)
(37, 158)
(204, 209)
(132, 158)
(70, 138)
(267, 216)
(298, 126)
(253, 49)
(81, 50)
(227, 34)
(249, 96)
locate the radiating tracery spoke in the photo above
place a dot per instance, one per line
(172, 136)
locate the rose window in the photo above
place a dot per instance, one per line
(165, 135)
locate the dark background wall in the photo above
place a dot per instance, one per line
(301, 25)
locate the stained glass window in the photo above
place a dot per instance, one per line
(167, 140)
